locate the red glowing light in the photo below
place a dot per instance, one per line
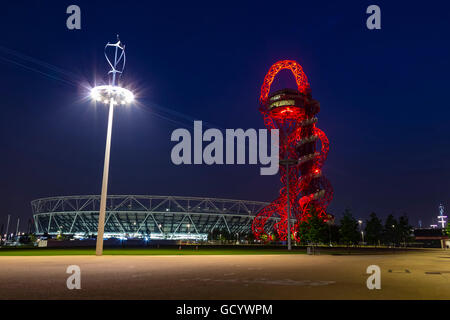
(298, 139)
(297, 71)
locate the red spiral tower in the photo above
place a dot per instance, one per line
(293, 113)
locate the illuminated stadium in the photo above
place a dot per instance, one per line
(151, 217)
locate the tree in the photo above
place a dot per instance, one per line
(403, 230)
(349, 229)
(334, 233)
(390, 232)
(374, 229)
(313, 229)
(447, 230)
(275, 235)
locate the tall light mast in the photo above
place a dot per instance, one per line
(112, 95)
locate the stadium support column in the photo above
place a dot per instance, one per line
(17, 226)
(7, 227)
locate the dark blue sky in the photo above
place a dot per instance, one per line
(383, 94)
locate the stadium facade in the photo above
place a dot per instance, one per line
(151, 217)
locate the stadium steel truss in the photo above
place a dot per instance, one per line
(156, 217)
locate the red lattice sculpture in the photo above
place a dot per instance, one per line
(293, 112)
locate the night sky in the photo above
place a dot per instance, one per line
(383, 94)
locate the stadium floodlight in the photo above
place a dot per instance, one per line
(111, 94)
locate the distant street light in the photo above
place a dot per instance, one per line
(113, 95)
(360, 229)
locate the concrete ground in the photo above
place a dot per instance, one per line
(412, 275)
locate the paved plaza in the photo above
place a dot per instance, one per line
(410, 275)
